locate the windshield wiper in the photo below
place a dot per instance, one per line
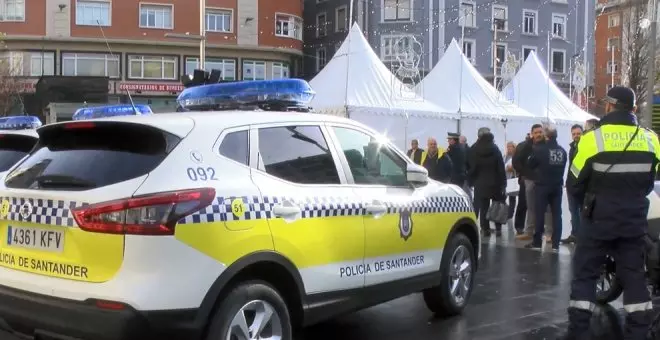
(58, 181)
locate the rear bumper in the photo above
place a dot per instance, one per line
(39, 316)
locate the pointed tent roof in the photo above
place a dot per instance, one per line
(457, 85)
(356, 78)
(533, 90)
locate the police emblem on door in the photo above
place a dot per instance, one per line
(405, 224)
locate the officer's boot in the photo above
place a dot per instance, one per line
(578, 325)
(637, 325)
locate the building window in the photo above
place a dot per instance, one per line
(397, 10)
(559, 25)
(254, 70)
(500, 54)
(467, 17)
(93, 13)
(613, 20)
(28, 64)
(321, 25)
(529, 21)
(152, 67)
(341, 19)
(280, 70)
(288, 26)
(612, 67)
(391, 45)
(613, 43)
(321, 58)
(219, 20)
(558, 61)
(12, 10)
(156, 16)
(90, 64)
(469, 49)
(526, 50)
(227, 67)
(500, 18)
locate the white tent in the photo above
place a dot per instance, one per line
(455, 84)
(533, 90)
(356, 84)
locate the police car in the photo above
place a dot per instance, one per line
(17, 137)
(223, 224)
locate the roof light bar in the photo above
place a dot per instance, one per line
(111, 111)
(19, 122)
(280, 95)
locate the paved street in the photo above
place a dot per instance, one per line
(519, 294)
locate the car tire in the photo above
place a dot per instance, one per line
(440, 299)
(608, 275)
(254, 300)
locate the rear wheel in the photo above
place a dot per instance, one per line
(457, 270)
(608, 287)
(253, 310)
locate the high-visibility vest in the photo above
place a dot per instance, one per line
(440, 153)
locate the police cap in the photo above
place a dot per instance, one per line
(621, 97)
(453, 135)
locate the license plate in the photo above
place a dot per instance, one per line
(35, 238)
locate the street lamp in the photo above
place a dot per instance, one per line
(201, 37)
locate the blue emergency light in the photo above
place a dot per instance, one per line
(111, 111)
(19, 122)
(281, 94)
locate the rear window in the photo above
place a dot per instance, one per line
(92, 156)
(13, 148)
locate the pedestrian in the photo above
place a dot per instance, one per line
(510, 174)
(467, 187)
(548, 161)
(521, 209)
(457, 154)
(415, 153)
(463, 140)
(614, 170)
(528, 176)
(574, 206)
(437, 162)
(486, 172)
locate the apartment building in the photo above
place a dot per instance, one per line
(490, 30)
(608, 40)
(144, 48)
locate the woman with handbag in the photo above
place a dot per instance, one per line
(486, 172)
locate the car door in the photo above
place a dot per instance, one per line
(402, 236)
(316, 219)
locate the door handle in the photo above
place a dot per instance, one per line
(377, 209)
(287, 211)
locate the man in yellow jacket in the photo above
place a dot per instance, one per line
(437, 162)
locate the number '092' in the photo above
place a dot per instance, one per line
(201, 174)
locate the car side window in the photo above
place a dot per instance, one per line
(298, 154)
(235, 146)
(369, 161)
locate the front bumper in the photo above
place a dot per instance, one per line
(29, 315)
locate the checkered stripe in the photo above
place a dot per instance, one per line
(53, 212)
(257, 207)
(431, 205)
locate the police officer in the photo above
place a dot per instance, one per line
(457, 154)
(548, 161)
(614, 169)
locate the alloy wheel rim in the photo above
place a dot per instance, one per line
(256, 320)
(460, 275)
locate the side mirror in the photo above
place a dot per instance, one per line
(416, 174)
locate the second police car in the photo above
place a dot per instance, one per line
(17, 137)
(223, 224)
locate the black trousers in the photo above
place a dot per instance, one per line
(521, 209)
(628, 253)
(481, 205)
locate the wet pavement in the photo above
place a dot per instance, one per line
(519, 294)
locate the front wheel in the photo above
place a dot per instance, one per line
(457, 270)
(252, 310)
(608, 287)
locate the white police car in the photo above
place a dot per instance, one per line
(223, 224)
(17, 137)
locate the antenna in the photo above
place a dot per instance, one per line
(107, 44)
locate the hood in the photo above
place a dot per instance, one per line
(485, 147)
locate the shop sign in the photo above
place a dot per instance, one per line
(151, 87)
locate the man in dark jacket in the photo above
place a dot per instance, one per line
(486, 173)
(415, 153)
(457, 153)
(548, 161)
(521, 209)
(437, 162)
(574, 205)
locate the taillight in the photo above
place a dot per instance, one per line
(155, 214)
(79, 125)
